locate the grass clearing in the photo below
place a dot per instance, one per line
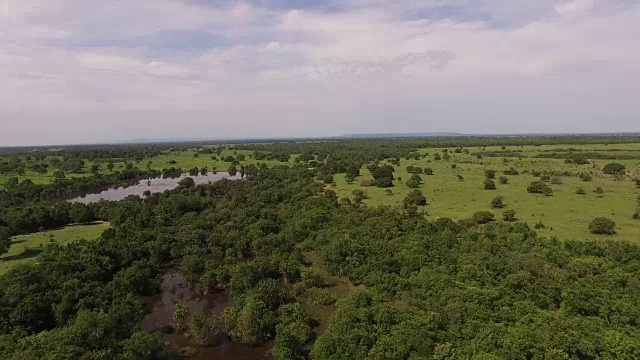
(565, 214)
(25, 248)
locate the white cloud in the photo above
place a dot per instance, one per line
(69, 66)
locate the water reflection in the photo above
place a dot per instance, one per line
(153, 185)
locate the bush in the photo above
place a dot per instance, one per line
(538, 187)
(603, 226)
(511, 171)
(598, 191)
(545, 178)
(497, 202)
(489, 185)
(540, 225)
(585, 177)
(490, 174)
(509, 215)
(415, 198)
(428, 171)
(613, 169)
(636, 215)
(581, 191)
(483, 217)
(503, 180)
(414, 181)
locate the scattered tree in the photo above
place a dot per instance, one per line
(489, 185)
(602, 225)
(497, 202)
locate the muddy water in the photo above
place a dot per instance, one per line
(175, 290)
(153, 185)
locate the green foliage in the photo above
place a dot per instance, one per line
(504, 180)
(415, 198)
(613, 169)
(509, 215)
(489, 184)
(497, 202)
(483, 217)
(602, 225)
(414, 181)
(490, 174)
(539, 187)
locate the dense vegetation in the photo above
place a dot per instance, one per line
(316, 275)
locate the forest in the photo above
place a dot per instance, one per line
(331, 250)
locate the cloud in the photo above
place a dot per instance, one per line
(159, 68)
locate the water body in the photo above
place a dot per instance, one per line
(153, 185)
(175, 290)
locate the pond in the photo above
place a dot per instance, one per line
(175, 290)
(153, 185)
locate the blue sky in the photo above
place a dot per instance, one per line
(78, 71)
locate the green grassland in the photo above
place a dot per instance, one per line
(565, 214)
(184, 159)
(25, 248)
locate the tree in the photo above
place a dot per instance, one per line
(613, 169)
(110, 166)
(428, 171)
(504, 180)
(602, 225)
(598, 191)
(539, 187)
(5, 239)
(509, 215)
(180, 317)
(415, 198)
(489, 185)
(497, 202)
(490, 174)
(414, 181)
(186, 182)
(81, 213)
(483, 217)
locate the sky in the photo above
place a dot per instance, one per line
(87, 71)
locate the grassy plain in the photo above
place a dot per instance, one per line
(25, 248)
(565, 214)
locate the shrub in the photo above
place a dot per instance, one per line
(598, 191)
(511, 171)
(414, 181)
(497, 202)
(503, 180)
(415, 198)
(540, 225)
(581, 191)
(489, 185)
(613, 169)
(483, 217)
(601, 225)
(460, 177)
(636, 215)
(490, 174)
(545, 178)
(538, 187)
(509, 215)
(428, 171)
(585, 177)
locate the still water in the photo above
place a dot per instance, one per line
(176, 290)
(153, 185)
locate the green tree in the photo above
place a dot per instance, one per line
(490, 174)
(497, 202)
(415, 198)
(602, 225)
(509, 215)
(503, 180)
(489, 184)
(613, 169)
(483, 217)
(539, 187)
(414, 181)
(180, 316)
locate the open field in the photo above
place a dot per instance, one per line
(565, 214)
(183, 159)
(25, 248)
